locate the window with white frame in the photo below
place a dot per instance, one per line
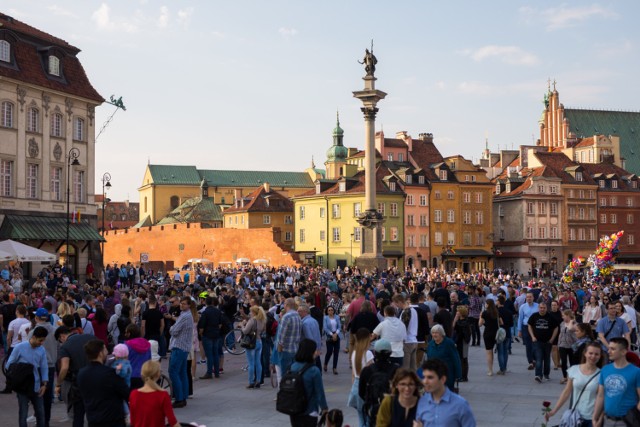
(541, 188)
(553, 208)
(613, 201)
(411, 241)
(437, 238)
(479, 238)
(301, 235)
(56, 184)
(450, 195)
(410, 221)
(394, 209)
(466, 238)
(530, 233)
(631, 239)
(357, 209)
(603, 218)
(614, 183)
(466, 197)
(466, 178)
(266, 219)
(473, 178)
(302, 213)
(392, 186)
(390, 157)
(420, 179)
(408, 179)
(479, 217)
(601, 183)
(603, 201)
(502, 234)
(571, 194)
(466, 217)
(410, 199)
(634, 184)
(54, 65)
(320, 259)
(287, 236)
(78, 187)
(581, 213)
(56, 125)
(572, 234)
(592, 234)
(579, 176)
(437, 195)
(335, 232)
(335, 210)
(582, 235)
(542, 208)
(554, 232)
(443, 175)
(592, 194)
(357, 234)
(630, 202)
(629, 218)
(451, 215)
(342, 186)
(400, 157)
(581, 194)
(288, 219)
(542, 232)
(592, 214)
(381, 209)
(423, 200)
(451, 238)
(5, 51)
(78, 129)
(614, 218)
(33, 120)
(530, 208)
(424, 241)
(7, 115)
(323, 235)
(553, 189)
(424, 220)
(437, 215)
(572, 212)
(32, 181)
(6, 178)
(323, 212)
(242, 219)
(500, 210)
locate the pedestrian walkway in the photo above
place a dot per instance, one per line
(514, 400)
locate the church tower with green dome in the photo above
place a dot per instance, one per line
(337, 154)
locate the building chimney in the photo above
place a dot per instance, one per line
(267, 187)
(427, 137)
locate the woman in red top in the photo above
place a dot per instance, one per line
(100, 321)
(150, 405)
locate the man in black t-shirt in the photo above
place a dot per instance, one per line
(153, 325)
(443, 317)
(543, 329)
(7, 313)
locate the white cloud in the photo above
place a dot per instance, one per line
(474, 88)
(163, 20)
(102, 18)
(184, 16)
(287, 32)
(562, 17)
(59, 11)
(440, 85)
(513, 55)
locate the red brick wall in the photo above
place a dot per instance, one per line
(180, 242)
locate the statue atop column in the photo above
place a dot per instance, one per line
(369, 62)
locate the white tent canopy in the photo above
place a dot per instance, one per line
(5, 256)
(243, 260)
(25, 253)
(261, 261)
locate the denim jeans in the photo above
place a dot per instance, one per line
(542, 351)
(178, 373)
(286, 360)
(212, 351)
(254, 357)
(503, 354)
(528, 344)
(47, 398)
(267, 347)
(23, 409)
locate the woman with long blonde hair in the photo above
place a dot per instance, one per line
(255, 326)
(361, 356)
(150, 405)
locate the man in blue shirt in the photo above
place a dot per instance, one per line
(619, 386)
(524, 312)
(611, 327)
(33, 353)
(311, 330)
(439, 407)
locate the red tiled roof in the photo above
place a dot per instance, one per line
(424, 154)
(395, 143)
(356, 184)
(361, 153)
(584, 142)
(606, 169)
(30, 66)
(258, 202)
(557, 162)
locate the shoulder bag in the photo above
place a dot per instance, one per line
(571, 417)
(501, 334)
(248, 341)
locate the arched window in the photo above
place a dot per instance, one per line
(7, 115)
(175, 202)
(56, 125)
(33, 119)
(54, 65)
(5, 51)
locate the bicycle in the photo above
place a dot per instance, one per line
(231, 342)
(165, 383)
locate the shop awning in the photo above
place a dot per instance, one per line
(22, 227)
(467, 253)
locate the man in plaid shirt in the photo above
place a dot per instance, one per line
(290, 334)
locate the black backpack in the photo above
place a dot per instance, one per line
(20, 378)
(292, 398)
(377, 386)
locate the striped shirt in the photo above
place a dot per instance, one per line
(291, 332)
(182, 332)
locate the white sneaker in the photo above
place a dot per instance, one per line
(31, 419)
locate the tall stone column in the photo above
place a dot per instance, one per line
(370, 219)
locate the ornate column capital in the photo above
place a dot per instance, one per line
(369, 112)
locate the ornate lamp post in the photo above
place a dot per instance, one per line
(72, 160)
(106, 185)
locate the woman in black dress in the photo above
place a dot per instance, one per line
(491, 321)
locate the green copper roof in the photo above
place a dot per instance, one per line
(625, 124)
(21, 227)
(190, 175)
(337, 152)
(196, 209)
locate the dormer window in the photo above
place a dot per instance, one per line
(342, 186)
(601, 183)
(392, 186)
(443, 175)
(54, 65)
(409, 179)
(614, 183)
(498, 188)
(5, 51)
(318, 188)
(421, 180)
(578, 176)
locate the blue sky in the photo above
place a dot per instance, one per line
(254, 85)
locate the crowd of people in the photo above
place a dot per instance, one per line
(406, 335)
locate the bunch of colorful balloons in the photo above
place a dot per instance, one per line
(572, 269)
(602, 262)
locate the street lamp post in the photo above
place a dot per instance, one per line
(351, 256)
(72, 160)
(106, 185)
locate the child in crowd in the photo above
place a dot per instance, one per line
(123, 367)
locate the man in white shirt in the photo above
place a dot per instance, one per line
(409, 317)
(394, 331)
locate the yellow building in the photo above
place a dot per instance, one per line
(264, 208)
(166, 187)
(326, 228)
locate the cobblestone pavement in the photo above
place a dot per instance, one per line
(513, 400)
